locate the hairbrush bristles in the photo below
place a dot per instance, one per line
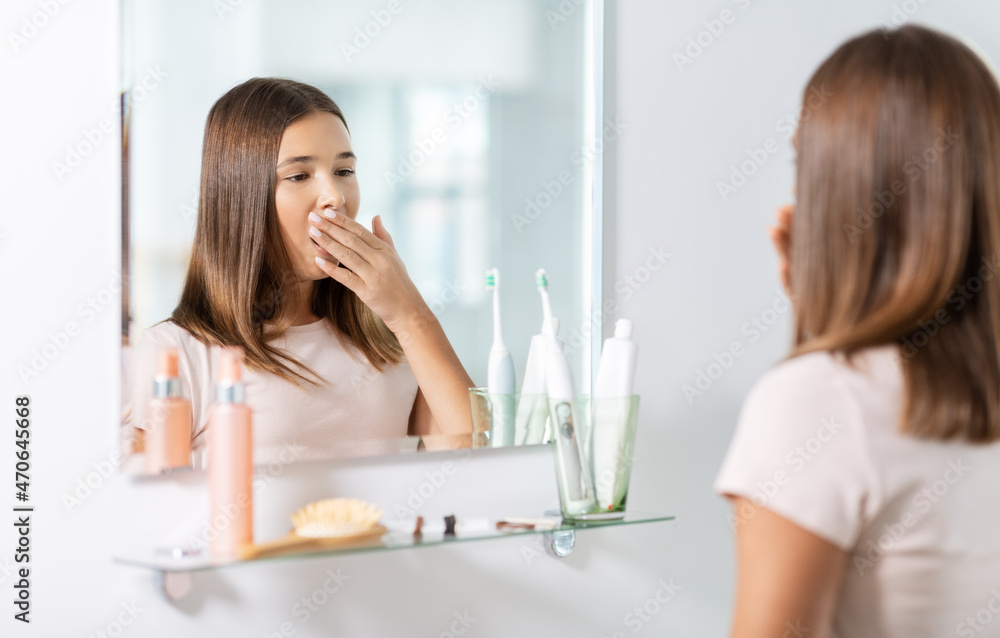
(336, 517)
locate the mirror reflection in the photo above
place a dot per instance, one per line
(324, 186)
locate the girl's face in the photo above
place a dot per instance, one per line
(316, 172)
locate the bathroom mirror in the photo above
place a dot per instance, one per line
(477, 127)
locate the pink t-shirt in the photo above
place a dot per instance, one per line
(356, 410)
(818, 443)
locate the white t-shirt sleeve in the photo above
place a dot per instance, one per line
(800, 451)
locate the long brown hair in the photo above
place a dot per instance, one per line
(896, 237)
(239, 272)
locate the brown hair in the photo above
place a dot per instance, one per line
(239, 270)
(897, 222)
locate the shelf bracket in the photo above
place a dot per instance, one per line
(175, 586)
(560, 544)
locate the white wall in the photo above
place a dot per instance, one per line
(59, 248)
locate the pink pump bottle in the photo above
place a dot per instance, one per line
(230, 460)
(168, 419)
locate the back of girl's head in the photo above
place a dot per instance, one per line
(896, 235)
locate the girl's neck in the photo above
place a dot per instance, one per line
(303, 305)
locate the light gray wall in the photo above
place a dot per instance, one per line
(59, 248)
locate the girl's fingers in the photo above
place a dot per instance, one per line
(353, 251)
(343, 275)
(378, 228)
(346, 255)
(349, 226)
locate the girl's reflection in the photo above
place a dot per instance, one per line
(342, 352)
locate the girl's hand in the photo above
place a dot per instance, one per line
(781, 235)
(372, 268)
(375, 273)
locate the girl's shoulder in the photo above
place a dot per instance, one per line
(802, 444)
(193, 353)
(169, 333)
(872, 370)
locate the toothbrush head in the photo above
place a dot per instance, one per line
(541, 281)
(492, 278)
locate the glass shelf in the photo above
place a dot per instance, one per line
(174, 560)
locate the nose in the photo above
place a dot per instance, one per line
(331, 197)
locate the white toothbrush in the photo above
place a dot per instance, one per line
(500, 374)
(532, 411)
(572, 467)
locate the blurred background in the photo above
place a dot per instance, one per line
(460, 114)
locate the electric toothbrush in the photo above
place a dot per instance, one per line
(549, 324)
(572, 466)
(500, 373)
(529, 430)
(547, 434)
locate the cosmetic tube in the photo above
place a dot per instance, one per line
(168, 418)
(615, 381)
(230, 461)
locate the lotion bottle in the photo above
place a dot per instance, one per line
(230, 460)
(168, 418)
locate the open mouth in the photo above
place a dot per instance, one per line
(327, 256)
(322, 253)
